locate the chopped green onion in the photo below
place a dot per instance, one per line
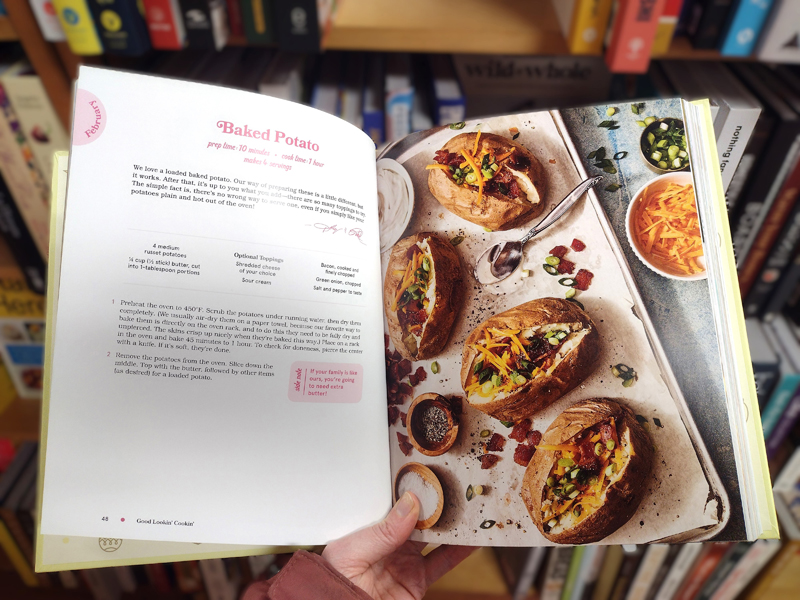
(552, 260)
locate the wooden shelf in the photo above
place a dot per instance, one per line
(20, 421)
(7, 31)
(681, 49)
(460, 26)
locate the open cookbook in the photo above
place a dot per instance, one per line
(544, 306)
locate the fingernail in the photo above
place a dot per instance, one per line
(405, 505)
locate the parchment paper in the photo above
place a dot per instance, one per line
(677, 492)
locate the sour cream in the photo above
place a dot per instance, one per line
(395, 201)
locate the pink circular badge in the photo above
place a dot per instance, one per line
(90, 118)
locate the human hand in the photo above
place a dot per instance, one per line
(383, 562)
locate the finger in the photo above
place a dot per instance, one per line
(372, 544)
(444, 558)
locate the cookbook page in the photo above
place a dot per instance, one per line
(213, 379)
(547, 408)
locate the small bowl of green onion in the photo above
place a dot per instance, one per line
(663, 146)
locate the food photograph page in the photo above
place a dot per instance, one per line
(552, 364)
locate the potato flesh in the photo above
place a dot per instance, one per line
(568, 520)
(525, 183)
(577, 333)
(431, 295)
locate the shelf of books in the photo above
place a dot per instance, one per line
(424, 80)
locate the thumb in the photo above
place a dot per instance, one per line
(375, 543)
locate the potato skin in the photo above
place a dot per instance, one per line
(541, 392)
(622, 498)
(448, 295)
(497, 211)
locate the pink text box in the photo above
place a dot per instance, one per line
(325, 382)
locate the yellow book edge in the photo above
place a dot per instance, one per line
(16, 557)
(744, 366)
(57, 213)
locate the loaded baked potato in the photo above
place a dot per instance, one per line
(589, 472)
(422, 294)
(520, 361)
(488, 180)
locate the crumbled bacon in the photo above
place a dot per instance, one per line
(534, 438)
(402, 417)
(412, 379)
(496, 443)
(393, 414)
(403, 368)
(421, 374)
(520, 430)
(588, 460)
(443, 157)
(386, 344)
(606, 432)
(405, 446)
(523, 454)
(578, 245)
(404, 389)
(489, 460)
(583, 280)
(455, 405)
(566, 266)
(559, 251)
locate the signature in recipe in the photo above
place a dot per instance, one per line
(348, 231)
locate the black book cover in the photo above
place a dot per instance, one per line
(197, 20)
(712, 23)
(122, 26)
(297, 25)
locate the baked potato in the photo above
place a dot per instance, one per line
(520, 361)
(488, 180)
(422, 293)
(589, 473)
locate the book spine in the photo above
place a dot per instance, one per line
(756, 145)
(702, 571)
(663, 571)
(572, 574)
(780, 40)
(784, 426)
(22, 177)
(680, 569)
(164, 24)
(783, 394)
(197, 20)
(17, 530)
(633, 32)
(235, 17)
(216, 579)
(126, 579)
(732, 141)
(709, 31)
(121, 26)
(667, 24)
(20, 242)
(42, 129)
(744, 27)
(785, 289)
(651, 562)
(374, 122)
(588, 27)
(557, 568)
(757, 557)
(630, 564)
(17, 559)
(257, 17)
(102, 584)
(778, 228)
(529, 571)
(724, 568)
(79, 27)
(47, 19)
(297, 25)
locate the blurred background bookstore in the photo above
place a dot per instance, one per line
(392, 68)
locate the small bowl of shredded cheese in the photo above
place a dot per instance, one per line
(664, 229)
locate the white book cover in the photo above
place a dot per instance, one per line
(780, 38)
(46, 18)
(652, 560)
(684, 562)
(283, 78)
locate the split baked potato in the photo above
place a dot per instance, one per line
(589, 473)
(422, 294)
(519, 362)
(488, 180)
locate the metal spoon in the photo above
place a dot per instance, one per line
(504, 258)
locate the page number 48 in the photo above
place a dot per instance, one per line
(104, 519)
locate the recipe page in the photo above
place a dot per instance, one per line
(217, 369)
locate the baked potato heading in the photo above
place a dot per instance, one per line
(488, 180)
(519, 362)
(422, 294)
(589, 473)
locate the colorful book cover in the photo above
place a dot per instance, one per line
(165, 24)
(122, 27)
(584, 23)
(744, 27)
(780, 38)
(47, 19)
(633, 32)
(667, 24)
(79, 27)
(234, 9)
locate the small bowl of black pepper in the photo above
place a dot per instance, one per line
(432, 424)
